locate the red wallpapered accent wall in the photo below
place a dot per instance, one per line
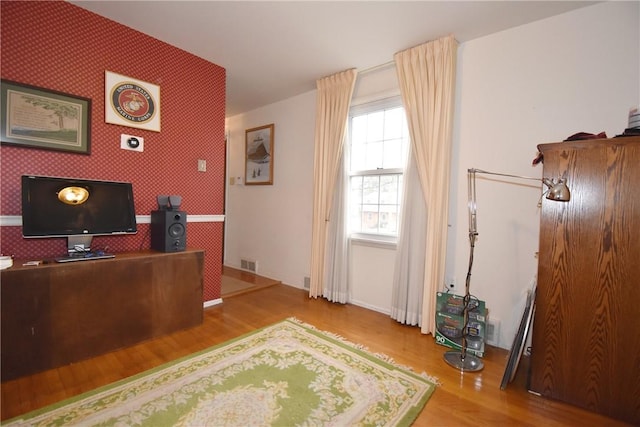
(62, 47)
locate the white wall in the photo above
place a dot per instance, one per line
(534, 84)
(371, 275)
(288, 258)
(271, 224)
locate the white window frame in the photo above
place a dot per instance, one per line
(373, 239)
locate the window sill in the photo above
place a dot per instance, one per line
(374, 241)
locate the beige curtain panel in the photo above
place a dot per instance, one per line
(332, 110)
(426, 75)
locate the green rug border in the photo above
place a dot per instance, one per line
(361, 350)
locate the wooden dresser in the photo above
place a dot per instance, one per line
(586, 332)
(60, 313)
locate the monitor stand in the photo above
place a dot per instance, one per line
(85, 256)
(79, 244)
(79, 249)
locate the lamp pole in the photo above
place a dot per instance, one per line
(556, 190)
(460, 359)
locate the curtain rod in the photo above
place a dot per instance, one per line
(376, 67)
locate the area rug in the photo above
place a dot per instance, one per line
(287, 374)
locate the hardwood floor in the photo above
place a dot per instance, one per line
(469, 399)
(258, 282)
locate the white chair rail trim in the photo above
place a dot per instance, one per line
(16, 220)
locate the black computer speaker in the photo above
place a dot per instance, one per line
(170, 203)
(168, 230)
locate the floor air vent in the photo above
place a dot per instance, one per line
(249, 265)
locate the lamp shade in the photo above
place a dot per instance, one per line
(557, 191)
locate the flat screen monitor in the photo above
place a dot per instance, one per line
(77, 209)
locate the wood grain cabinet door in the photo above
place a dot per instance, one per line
(586, 333)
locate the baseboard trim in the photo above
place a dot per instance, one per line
(212, 302)
(370, 307)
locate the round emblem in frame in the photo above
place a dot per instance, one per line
(131, 102)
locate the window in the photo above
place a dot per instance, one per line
(377, 152)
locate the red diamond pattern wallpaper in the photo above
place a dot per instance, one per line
(61, 47)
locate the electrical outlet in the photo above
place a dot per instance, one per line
(450, 285)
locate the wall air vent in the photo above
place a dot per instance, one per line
(249, 265)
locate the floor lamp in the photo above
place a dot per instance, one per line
(556, 190)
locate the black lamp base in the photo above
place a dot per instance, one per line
(469, 363)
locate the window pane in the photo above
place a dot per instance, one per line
(369, 219)
(393, 123)
(393, 154)
(356, 190)
(371, 189)
(358, 157)
(374, 155)
(375, 126)
(358, 130)
(378, 142)
(389, 190)
(355, 203)
(388, 219)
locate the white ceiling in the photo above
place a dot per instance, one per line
(275, 50)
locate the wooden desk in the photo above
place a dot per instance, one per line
(58, 313)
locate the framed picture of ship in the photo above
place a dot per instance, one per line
(259, 156)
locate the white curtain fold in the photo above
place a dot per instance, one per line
(408, 278)
(332, 109)
(336, 268)
(426, 76)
